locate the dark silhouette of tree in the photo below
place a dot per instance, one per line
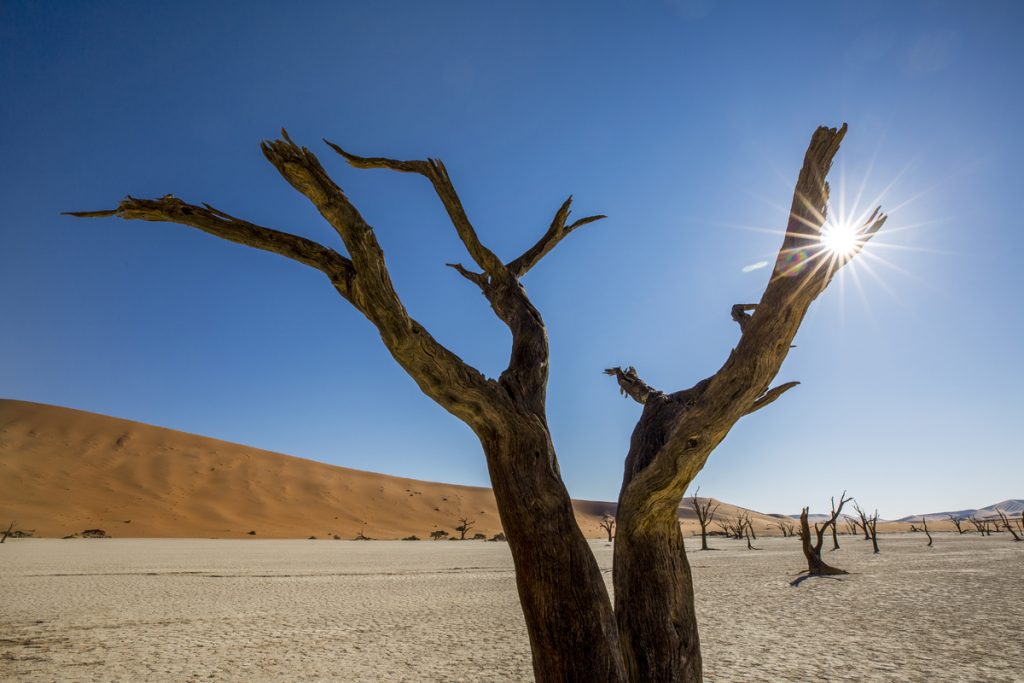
(465, 525)
(863, 522)
(957, 522)
(705, 515)
(835, 530)
(851, 525)
(438, 535)
(1007, 525)
(924, 528)
(651, 633)
(980, 525)
(787, 527)
(7, 532)
(812, 551)
(608, 524)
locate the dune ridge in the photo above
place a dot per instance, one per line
(66, 470)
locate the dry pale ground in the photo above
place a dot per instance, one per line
(236, 610)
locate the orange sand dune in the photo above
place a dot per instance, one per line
(66, 470)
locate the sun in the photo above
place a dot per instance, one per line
(841, 238)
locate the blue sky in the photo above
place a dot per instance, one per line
(685, 122)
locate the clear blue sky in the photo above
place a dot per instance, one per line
(685, 122)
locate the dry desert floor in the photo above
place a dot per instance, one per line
(256, 610)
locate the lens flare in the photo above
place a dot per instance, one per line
(842, 238)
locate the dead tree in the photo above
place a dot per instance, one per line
(7, 532)
(835, 517)
(1007, 525)
(438, 534)
(750, 534)
(863, 521)
(651, 634)
(957, 522)
(873, 527)
(465, 525)
(980, 525)
(750, 526)
(851, 525)
(815, 565)
(608, 524)
(924, 528)
(786, 527)
(705, 515)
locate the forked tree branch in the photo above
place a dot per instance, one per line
(555, 234)
(434, 171)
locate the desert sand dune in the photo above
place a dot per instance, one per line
(68, 470)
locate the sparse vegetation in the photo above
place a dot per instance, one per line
(438, 535)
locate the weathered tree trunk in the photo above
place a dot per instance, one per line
(561, 590)
(815, 565)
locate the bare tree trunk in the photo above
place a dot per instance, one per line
(835, 532)
(957, 522)
(7, 532)
(705, 514)
(924, 527)
(815, 565)
(1007, 525)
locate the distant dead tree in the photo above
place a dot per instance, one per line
(870, 525)
(750, 525)
(705, 515)
(863, 521)
(835, 517)
(438, 535)
(7, 532)
(750, 532)
(980, 525)
(924, 528)
(786, 527)
(1020, 522)
(574, 631)
(851, 525)
(873, 523)
(608, 524)
(957, 522)
(465, 524)
(1007, 525)
(815, 565)
(362, 537)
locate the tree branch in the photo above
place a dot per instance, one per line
(770, 396)
(740, 313)
(434, 171)
(631, 385)
(555, 234)
(170, 209)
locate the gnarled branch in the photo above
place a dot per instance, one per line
(170, 209)
(434, 171)
(631, 385)
(555, 234)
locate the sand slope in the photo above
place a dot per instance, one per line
(66, 470)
